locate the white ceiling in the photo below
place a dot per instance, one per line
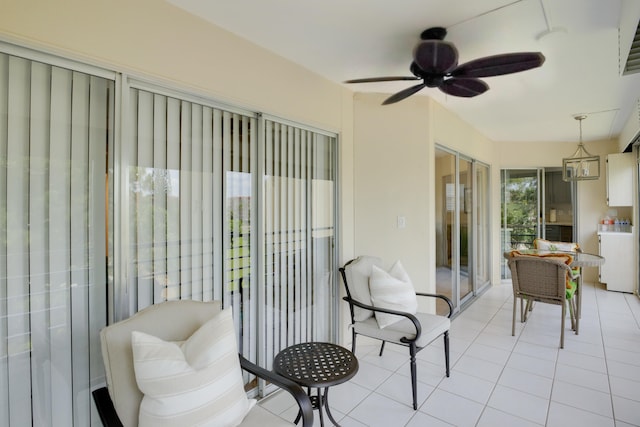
(347, 39)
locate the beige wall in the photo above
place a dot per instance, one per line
(394, 175)
(154, 38)
(392, 147)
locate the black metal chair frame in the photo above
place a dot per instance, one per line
(409, 342)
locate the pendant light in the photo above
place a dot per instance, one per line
(582, 165)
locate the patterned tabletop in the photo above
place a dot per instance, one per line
(316, 364)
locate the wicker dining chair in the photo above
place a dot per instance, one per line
(542, 279)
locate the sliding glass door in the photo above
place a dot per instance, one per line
(521, 206)
(233, 206)
(535, 203)
(466, 227)
(116, 195)
(298, 249)
(482, 221)
(56, 128)
(462, 227)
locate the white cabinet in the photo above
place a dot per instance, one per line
(620, 179)
(618, 270)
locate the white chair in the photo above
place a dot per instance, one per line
(415, 331)
(119, 402)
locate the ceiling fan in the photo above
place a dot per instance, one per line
(435, 62)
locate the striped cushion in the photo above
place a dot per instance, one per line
(392, 290)
(194, 383)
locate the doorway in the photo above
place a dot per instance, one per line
(535, 203)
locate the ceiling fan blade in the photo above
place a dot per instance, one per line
(498, 65)
(403, 94)
(435, 56)
(464, 87)
(382, 79)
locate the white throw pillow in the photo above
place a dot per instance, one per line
(194, 383)
(555, 246)
(392, 290)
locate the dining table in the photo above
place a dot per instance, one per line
(580, 259)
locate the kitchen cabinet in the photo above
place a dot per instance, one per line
(619, 169)
(559, 232)
(618, 270)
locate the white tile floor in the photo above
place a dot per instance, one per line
(500, 380)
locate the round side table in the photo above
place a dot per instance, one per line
(317, 365)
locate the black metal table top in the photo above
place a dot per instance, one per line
(316, 364)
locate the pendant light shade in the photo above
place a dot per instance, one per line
(582, 165)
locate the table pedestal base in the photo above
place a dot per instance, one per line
(320, 401)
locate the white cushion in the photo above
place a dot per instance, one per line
(392, 290)
(357, 273)
(555, 246)
(197, 382)
(432, 326)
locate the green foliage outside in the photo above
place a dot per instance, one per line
(520, 197)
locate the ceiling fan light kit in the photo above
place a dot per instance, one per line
(435, 62)
(582, 165)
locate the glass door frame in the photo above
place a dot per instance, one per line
(539, 223)
(460, 200)
(478, 287)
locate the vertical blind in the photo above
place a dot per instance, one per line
(190, 185)
(192, 177)
(298, 189)
(55, 127)
(194, 216)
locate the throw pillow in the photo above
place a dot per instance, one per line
(563, 257)
(392, 290)
(555, 246)
(197, 382)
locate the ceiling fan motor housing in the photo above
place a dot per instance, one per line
(435, 33)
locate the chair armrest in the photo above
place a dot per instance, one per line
(104, 405)
(414, 319)
(443, 297)
(292, 388)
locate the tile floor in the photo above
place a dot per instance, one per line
(500, 380)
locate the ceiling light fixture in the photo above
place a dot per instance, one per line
(582, 165)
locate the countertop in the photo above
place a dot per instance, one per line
(611, 229)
